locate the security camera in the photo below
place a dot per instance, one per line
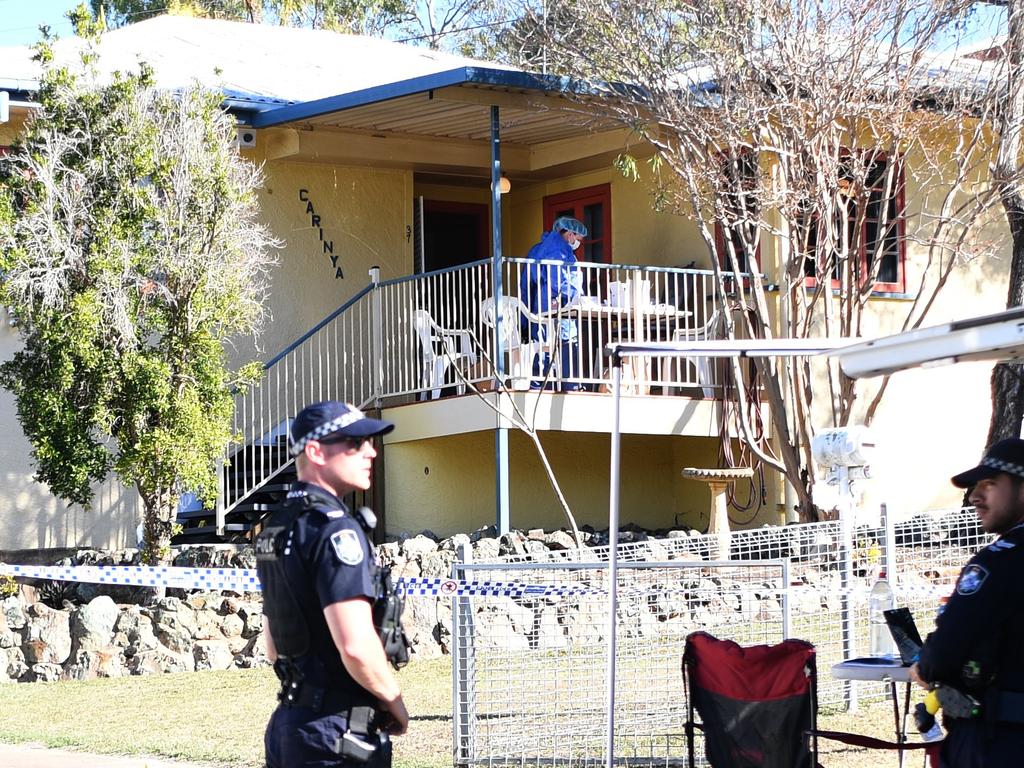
(246, 138)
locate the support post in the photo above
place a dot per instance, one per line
(613, 552)
(376, 338)
(846, 603)
(501, 432)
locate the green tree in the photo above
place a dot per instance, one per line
(130, 251)
(117, 13)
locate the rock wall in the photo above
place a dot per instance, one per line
(75, 631)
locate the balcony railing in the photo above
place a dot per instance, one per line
(424, 336)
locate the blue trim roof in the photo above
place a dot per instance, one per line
(507, 78)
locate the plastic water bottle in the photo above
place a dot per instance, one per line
(880, 642)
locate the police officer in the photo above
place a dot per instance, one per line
(977, 647)
(339, 700)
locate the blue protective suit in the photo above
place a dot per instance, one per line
(540, 284)
(545, 287)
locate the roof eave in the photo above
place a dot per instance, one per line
(508, 78)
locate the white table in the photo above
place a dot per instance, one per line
(883, 669)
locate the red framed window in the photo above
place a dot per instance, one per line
(872, 220)
(592, 206)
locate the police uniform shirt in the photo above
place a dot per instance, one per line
(978, 641)
(328, 545)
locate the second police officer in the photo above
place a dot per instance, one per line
(976, 648)
(330, 618)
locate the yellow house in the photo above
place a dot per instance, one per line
(397, 178)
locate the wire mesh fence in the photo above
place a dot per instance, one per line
(530, 671)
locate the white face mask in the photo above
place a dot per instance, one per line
(574, 244)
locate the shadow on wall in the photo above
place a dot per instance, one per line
(109, 524)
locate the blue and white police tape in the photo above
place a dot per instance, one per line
(245, 580)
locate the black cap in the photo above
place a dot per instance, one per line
(1005, 456)
(335, 419)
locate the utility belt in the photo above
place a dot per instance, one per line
(362, 737)
(1005, 707)
(997, 707)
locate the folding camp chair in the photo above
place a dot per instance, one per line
(758, 705)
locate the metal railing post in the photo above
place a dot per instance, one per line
(846, 599)
(787, 617)
(501, 459)
(376, 338)
(889, 545)
(462, 663)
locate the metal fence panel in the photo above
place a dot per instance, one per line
(530, 670)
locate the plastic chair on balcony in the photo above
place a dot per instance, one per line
(440, 348)
(521, 354)
(672, 367)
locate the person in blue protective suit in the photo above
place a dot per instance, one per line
(973, 659)
(326, 634)
(546, 287)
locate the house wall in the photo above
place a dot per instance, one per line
(639, 234)
(447, 484)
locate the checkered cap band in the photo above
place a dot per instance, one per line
(1003, 466)
(327, 428)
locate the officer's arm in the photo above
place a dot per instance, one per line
(271, 648)
(351, 625)
(964, 625)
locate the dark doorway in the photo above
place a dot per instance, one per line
(453, 234)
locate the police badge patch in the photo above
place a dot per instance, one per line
(347, 548)
(971, 579)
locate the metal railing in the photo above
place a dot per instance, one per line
(425, 336)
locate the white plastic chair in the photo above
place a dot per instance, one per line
(671, 367)
(439, 348)
(520, 354)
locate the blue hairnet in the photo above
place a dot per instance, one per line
(569, 224)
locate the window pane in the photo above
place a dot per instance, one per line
(593, 219)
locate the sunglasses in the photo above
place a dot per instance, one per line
(351, 444)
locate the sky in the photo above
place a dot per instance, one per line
(20, 19)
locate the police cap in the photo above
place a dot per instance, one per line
(333, 419)
(1005, 456)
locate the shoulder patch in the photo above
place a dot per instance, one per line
(971, 579)
(1001, 546)
(347, 547)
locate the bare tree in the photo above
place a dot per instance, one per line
(811, 142)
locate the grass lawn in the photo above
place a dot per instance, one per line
(218, 718)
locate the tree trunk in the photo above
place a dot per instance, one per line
(1006, 383)
(158, 523)
(1007, 388)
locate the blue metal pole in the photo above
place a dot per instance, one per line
(501, 433)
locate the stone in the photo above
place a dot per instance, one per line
(487, 532)
(485, 550)
(512, 543)
(15, 667)
(161, 659)
(208, 601)
(8, 638)
(137, 627)
(537, 534)
(253, 655)
(253, 619)
(174, 624)
(452, 543)
(93, 663)
(46, 638)
(559, 540)
(212, 654)
(92, 625)
(417, 546)
(438, 564)
(232, 625)
(207, 624)
(45, 673)
(14, 613)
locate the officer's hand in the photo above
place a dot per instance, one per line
(915, 676)
(399, 720)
